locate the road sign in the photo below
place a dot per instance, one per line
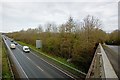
(38, 44)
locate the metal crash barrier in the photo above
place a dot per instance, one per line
(19, 69)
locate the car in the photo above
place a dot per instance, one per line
(15, 43)
(12, 46)
(11, 40)
(26, 49)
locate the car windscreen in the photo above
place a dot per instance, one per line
(26, 48)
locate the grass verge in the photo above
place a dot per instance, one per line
(61, 62)
(6, 73)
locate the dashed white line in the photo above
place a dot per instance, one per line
(39, 67)
(31, 61)
(54, 66)
(28, 58)
(51, 65)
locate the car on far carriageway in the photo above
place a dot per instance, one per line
(12, 46)
(15, 43)
(11, 40)
(26, 49)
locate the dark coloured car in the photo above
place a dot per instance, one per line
(15, 43)
(11, 40)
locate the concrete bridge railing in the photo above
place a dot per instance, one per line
(101, 66)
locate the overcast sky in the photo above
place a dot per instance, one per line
(23, 14)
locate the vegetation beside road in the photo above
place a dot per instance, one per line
(6, 73)
(72, 41)
(114, 38)
(52, 56)
(58, 61)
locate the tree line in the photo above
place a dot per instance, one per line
(73, 40)
(114, 38)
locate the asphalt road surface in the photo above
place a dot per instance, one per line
(34, 66)
(114, 48)
(113, 55)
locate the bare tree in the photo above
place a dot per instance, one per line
(62, 28)
(54, 27)
(39, 29)
(89, 24)
(48, 29)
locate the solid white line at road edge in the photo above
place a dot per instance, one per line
(16, 60)
(52, 65)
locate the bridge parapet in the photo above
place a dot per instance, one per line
(101, 66)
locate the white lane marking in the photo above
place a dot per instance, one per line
(35, 64)
(28, 58)
(39, 67)
(31, 60)
(52, 65)
(16, 60)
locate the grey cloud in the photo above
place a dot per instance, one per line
(60, 0)
(26, 14)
